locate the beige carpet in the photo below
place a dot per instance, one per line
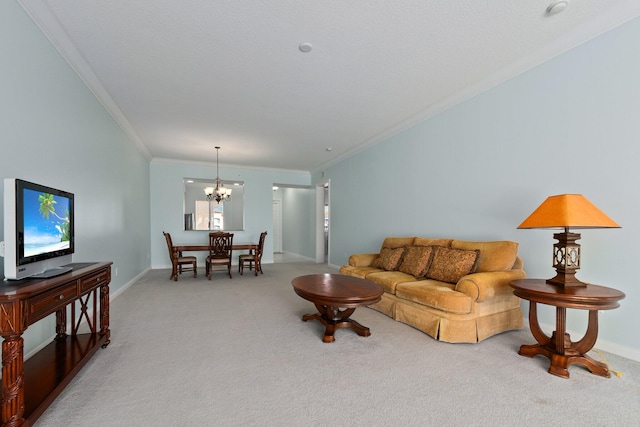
(235, 353)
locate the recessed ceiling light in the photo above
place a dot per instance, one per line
(557, 7)
(305, 47)
(329, 148)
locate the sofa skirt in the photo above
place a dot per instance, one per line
(485, 321)
(386, 305)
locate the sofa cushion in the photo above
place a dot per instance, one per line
(450, 265)
(389, 279)
(494, 256)
(389, 259)
(423, 241)
(416, 260)
(435, 294)
(396, 242)
(360, 272)
(361, 260)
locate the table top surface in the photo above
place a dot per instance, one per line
(337, 288)
(205, 246)
(24, 288)
(585, 297)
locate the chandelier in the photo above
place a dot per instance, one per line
(220, 193)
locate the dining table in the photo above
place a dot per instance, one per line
(199, 247)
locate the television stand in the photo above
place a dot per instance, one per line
(52, 272)
(29, 387)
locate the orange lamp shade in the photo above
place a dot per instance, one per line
(568, 210)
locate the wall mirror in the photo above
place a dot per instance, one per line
(201, 214)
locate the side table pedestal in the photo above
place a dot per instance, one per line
(558, 348)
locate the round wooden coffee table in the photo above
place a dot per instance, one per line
(330, 293)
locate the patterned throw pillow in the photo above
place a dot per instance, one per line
(416, 260)
(450, 265)
(389, 259)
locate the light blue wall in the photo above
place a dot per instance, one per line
(54, 132)
(298, 221)
(167, 204)
(476, 171)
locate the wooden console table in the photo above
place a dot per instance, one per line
(28, 388)
(559, 348)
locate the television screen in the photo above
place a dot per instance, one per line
(46, 224)
(38, 230)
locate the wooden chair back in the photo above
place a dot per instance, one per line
(172, 254)
(260, 249)
(178, 262)
(220, 245)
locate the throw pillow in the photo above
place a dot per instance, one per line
(389, 259)
(416, 260)
(494, 256)
(450, 265)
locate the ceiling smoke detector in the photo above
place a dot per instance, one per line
(557, 7)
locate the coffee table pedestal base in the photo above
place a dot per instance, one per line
(333, 318)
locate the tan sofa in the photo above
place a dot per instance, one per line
(453, 290)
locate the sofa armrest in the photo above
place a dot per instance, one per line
(486, 285)
(362, 260)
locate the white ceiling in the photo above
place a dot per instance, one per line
(181, 77)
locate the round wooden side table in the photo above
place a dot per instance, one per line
(558, 348)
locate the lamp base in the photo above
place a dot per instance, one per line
(566, 280)
(566, 259)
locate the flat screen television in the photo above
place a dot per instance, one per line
(38, 230)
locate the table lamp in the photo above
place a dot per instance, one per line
(567, 211)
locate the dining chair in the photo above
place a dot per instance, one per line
(250, 258)
(178, 262)
(220, 249)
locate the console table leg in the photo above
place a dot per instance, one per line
(104, 314)
(61, 324)
(13, 381)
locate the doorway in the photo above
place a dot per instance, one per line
(277, 227)
(323, 223)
